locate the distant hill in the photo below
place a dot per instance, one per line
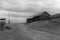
(55, 16)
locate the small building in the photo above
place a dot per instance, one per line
(42, 17)
(3, 20)
(45, 16)
(2, 23)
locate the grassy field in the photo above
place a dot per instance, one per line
(33, 31)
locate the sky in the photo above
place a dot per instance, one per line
(29, 5)
(27, 8)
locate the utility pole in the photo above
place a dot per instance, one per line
(8, 18)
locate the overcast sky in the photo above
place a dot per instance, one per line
(29, 5)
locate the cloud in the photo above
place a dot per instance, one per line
(29, 5)
(20, 5)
